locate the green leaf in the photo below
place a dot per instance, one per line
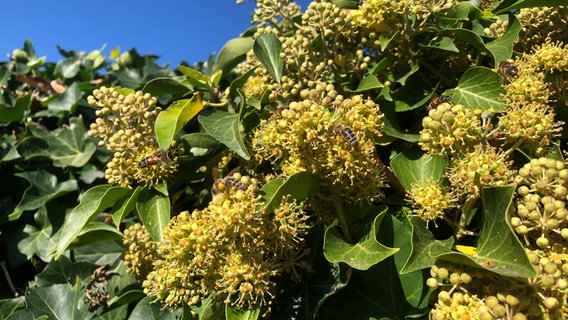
(16, 113)
(346, 4)
(59, 301)
(40, 240)
(154, 212)
(126, 296)
(170, 121)
(43, 188)
(368, 83)
(511, 5)
(125, 206)
(67, 100)
(195, 77)
(95, 232)
(299, 186)
(225, 127)
(232, 53)
(232, 313)
(200, 140)
(267, 50)
(502, 48)
(147, 310)
(163, 86)
(68, 68)
(442, 43)
(64, 271)
(478, 88)
(93, 202)
(413, 165)
(67, 146)
(362, 255)
(425, 248)
(9, 306)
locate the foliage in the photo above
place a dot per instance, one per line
(370, 159)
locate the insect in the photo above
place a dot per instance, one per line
(225, 184)
(508, 69)
(436, 101)
(345, 133)
(159, 157)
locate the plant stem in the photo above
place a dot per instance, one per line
(341, 218)
(468, 206)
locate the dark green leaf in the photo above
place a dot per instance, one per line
(154, 212)
(93, 202)
(64, 271)
(238, 83)
(368, 83)
(9, 306)
(232, 53)
(95, 232)
(107, 252)
(40, 240)
(170, 121)
(126, 296)
(478, 88)
(163, 86)
(147, 310)
(66, 146)
(442, 43)
(232, 313)
(59, 301)
(8, 151)
(425, 248)
(43, 187)
(226, 128)
(299, 186)
(125, 206)
(200, 140)
(362, 255)
(67, 100)
(267, 50)
(502, 48)
(16, 113)
(413, 165)
(346, 4)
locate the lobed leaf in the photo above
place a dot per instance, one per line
(59, 301)
(413, 165)
(11, 114)
(361, 255)
(478, 88)
(67, 100)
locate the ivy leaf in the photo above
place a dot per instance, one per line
(232, 313)
(478, 88)
(59, 301)
(164, 86)
(299, 186)
(362, 255)
(442, 43)
(64, 271)
(425, 248)
(67, 100)
(511, 5)
(232, 53)
(502, 48)
(147, 310)
(346, 4)
(170, 121)
(267, 50)
(200, 140)
(413, 165)
(67, 146)
(39, 240)
(125, 206)
(154, 211)
(43, 188)
(10, 306)
(16, 113)
(93, 202)
(68, 68)
(368, 83)
(195, 77)
(94, 232)
(225, 127)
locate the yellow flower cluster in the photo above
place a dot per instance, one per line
(430, 199)
(141, 251)
(125, 122)
(330, 136)
(231, 248)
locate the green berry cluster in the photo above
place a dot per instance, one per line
(541, 217)
(141, 251)
(450, 130)
(272, 11)
(125, 123)
(330, 136)
(429, 199)
(231, 248)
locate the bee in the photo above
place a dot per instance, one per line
(345, 133)
(225, 184)
(508, 69)
(436, 101)
(159, 157)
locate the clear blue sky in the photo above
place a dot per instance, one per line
(174, 29)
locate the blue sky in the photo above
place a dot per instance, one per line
(174, 29)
